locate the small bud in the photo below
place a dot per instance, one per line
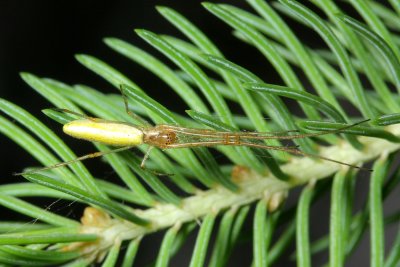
(276, 200)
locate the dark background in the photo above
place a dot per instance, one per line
(42, 37)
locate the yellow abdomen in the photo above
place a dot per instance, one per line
(106, 132)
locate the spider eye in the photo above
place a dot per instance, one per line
(170, 138)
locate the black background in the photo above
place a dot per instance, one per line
(42, 37)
